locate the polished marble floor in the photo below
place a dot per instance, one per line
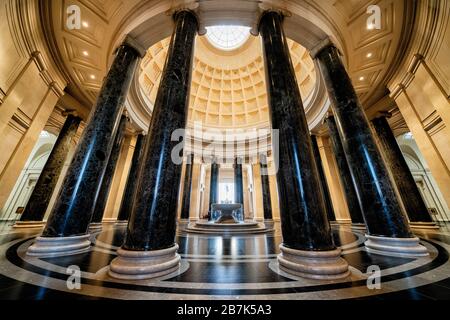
(221, 267)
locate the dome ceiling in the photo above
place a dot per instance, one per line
(83, 56)
(228, 88)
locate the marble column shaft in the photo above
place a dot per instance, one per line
(187, 189)
(130, 189)
(304, 219)
(152, 224)
(45, 186)
(238, 182)
(105, 186)
(382, 211)
(323, 180)
(265, 184)
(412, 199)
(350, 193)
(72, 212)
(214, 187)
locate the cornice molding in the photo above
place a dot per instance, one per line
(428, 14)
(33, 36)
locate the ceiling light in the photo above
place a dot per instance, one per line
(369, 55)
(361, 78)
(85, 24)
(85, 53)
(370, 26)
(92, 77)
(228, 37)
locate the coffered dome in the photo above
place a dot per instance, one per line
(228, 87)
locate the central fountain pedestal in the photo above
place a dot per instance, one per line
(227, 219)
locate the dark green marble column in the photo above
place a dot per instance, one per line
(150, 250)
(238, 182)
(213, 187)
(305, 227)
(105, 187)
(45, 186)
(186, 200)
(267, 202)
(412, 199)
(387, 225)
(323, 180)
(350, 193)
(67, 226)
(130, 188)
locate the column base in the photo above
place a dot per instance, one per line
(44, 246)
(29, 224)
(424, 225)
(95, 226)
(408, 247)
(358, 226)
(140, 265)
(122, 222)
(319, 265)
(269, 223)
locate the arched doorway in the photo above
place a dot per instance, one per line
(28, 178)
(424, 179)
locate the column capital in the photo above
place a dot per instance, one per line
(201, 30)
(320, 46)
(382, 114)
(265, 11)
(70, 112)
(133, 43)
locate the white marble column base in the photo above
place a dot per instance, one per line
(358, 226)
(269, 223)
(96, 226)
(424, 225)
(408, 247)
(61, 246)
(139, 265)
(29, 224)
(320, 265)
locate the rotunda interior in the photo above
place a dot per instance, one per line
(188, 149)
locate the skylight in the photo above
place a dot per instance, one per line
(228, 37)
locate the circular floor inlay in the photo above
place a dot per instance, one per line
(222, 268)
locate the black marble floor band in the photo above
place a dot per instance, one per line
(323, 180)
(304, 219)
(130, 188)
(238, 182)
(152, 223)
(45, 186)
(267, 203)
(71, 214)
(105, 187)
(412, 199)
(213, 186)
(350, 193)
(186, 200)
(381, 208)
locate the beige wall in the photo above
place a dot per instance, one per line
(274, 197)
(120, 179)
(257, 193)
(19, 138)
(423, 100)
(333, 180)
(28, 93)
